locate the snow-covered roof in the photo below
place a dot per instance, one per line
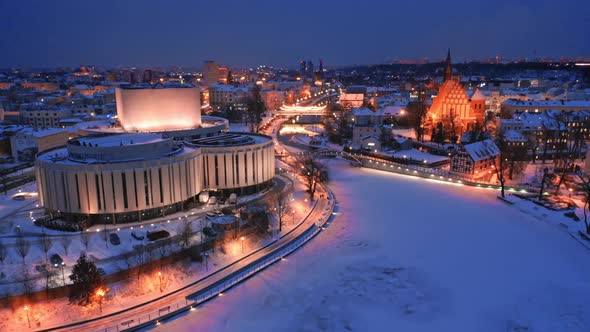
(548, 103)
(514, 136)
(482, 150)
(360, 111)
(41, 132)
(391, 110)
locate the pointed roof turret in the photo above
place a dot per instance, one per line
(448, 67)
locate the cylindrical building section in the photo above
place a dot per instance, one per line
(237, 162)
(91, 178)
(130, 177)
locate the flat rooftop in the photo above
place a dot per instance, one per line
(230, 139)
(118, 140)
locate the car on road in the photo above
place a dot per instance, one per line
(19, 197)
(56, 259)
(114, 239)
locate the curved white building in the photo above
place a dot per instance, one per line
(115, 175)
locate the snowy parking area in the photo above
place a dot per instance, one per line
(410, 254)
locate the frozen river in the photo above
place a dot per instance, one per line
(408, 254)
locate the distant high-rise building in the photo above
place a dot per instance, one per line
(302, 68)
(222, 75)
(147, 76)
(210, 73)
(309, 68)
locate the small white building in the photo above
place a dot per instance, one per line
(366, 138)
(28, 141)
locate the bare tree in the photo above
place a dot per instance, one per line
(570, 145)
(27, 281)
(105, 234)
(128, 256)
(3, 252)
(586, 186)
(185, 233)
(281, 207)
(85, 239)
(50, 274)
(255, 109)
(451, 119)
(313, 171)
(139, 251)
(45, 244)
(22, 247)
(499, 163)
(418, 110)
(65, 242)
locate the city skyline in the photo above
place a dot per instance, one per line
(145, 34)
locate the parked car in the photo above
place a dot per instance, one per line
(138, 235)
(157, 235)
(101, 271)
(56, 259)
(212, 200)
(114, 239)
(19, 197)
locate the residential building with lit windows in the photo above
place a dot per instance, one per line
(476, 159)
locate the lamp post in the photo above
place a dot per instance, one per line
(160, 278)
(206, 255)
(242, 240)
(27, 311)
(100, 292)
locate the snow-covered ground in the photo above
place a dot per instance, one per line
(409, 254)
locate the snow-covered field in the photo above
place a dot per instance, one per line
(409, 254)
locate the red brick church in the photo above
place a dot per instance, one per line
(452, 104)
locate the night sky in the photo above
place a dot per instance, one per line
(245, 33)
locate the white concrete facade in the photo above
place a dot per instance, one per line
(98, 187)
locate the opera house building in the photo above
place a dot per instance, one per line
(155, 161)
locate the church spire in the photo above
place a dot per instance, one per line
(448, 68)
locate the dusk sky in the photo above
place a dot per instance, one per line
(245, 33)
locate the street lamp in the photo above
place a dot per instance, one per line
(242, 240)
(100, 293)
(63, 275)
(160, 277)
(27, 311)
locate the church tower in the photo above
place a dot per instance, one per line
(448, 68)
